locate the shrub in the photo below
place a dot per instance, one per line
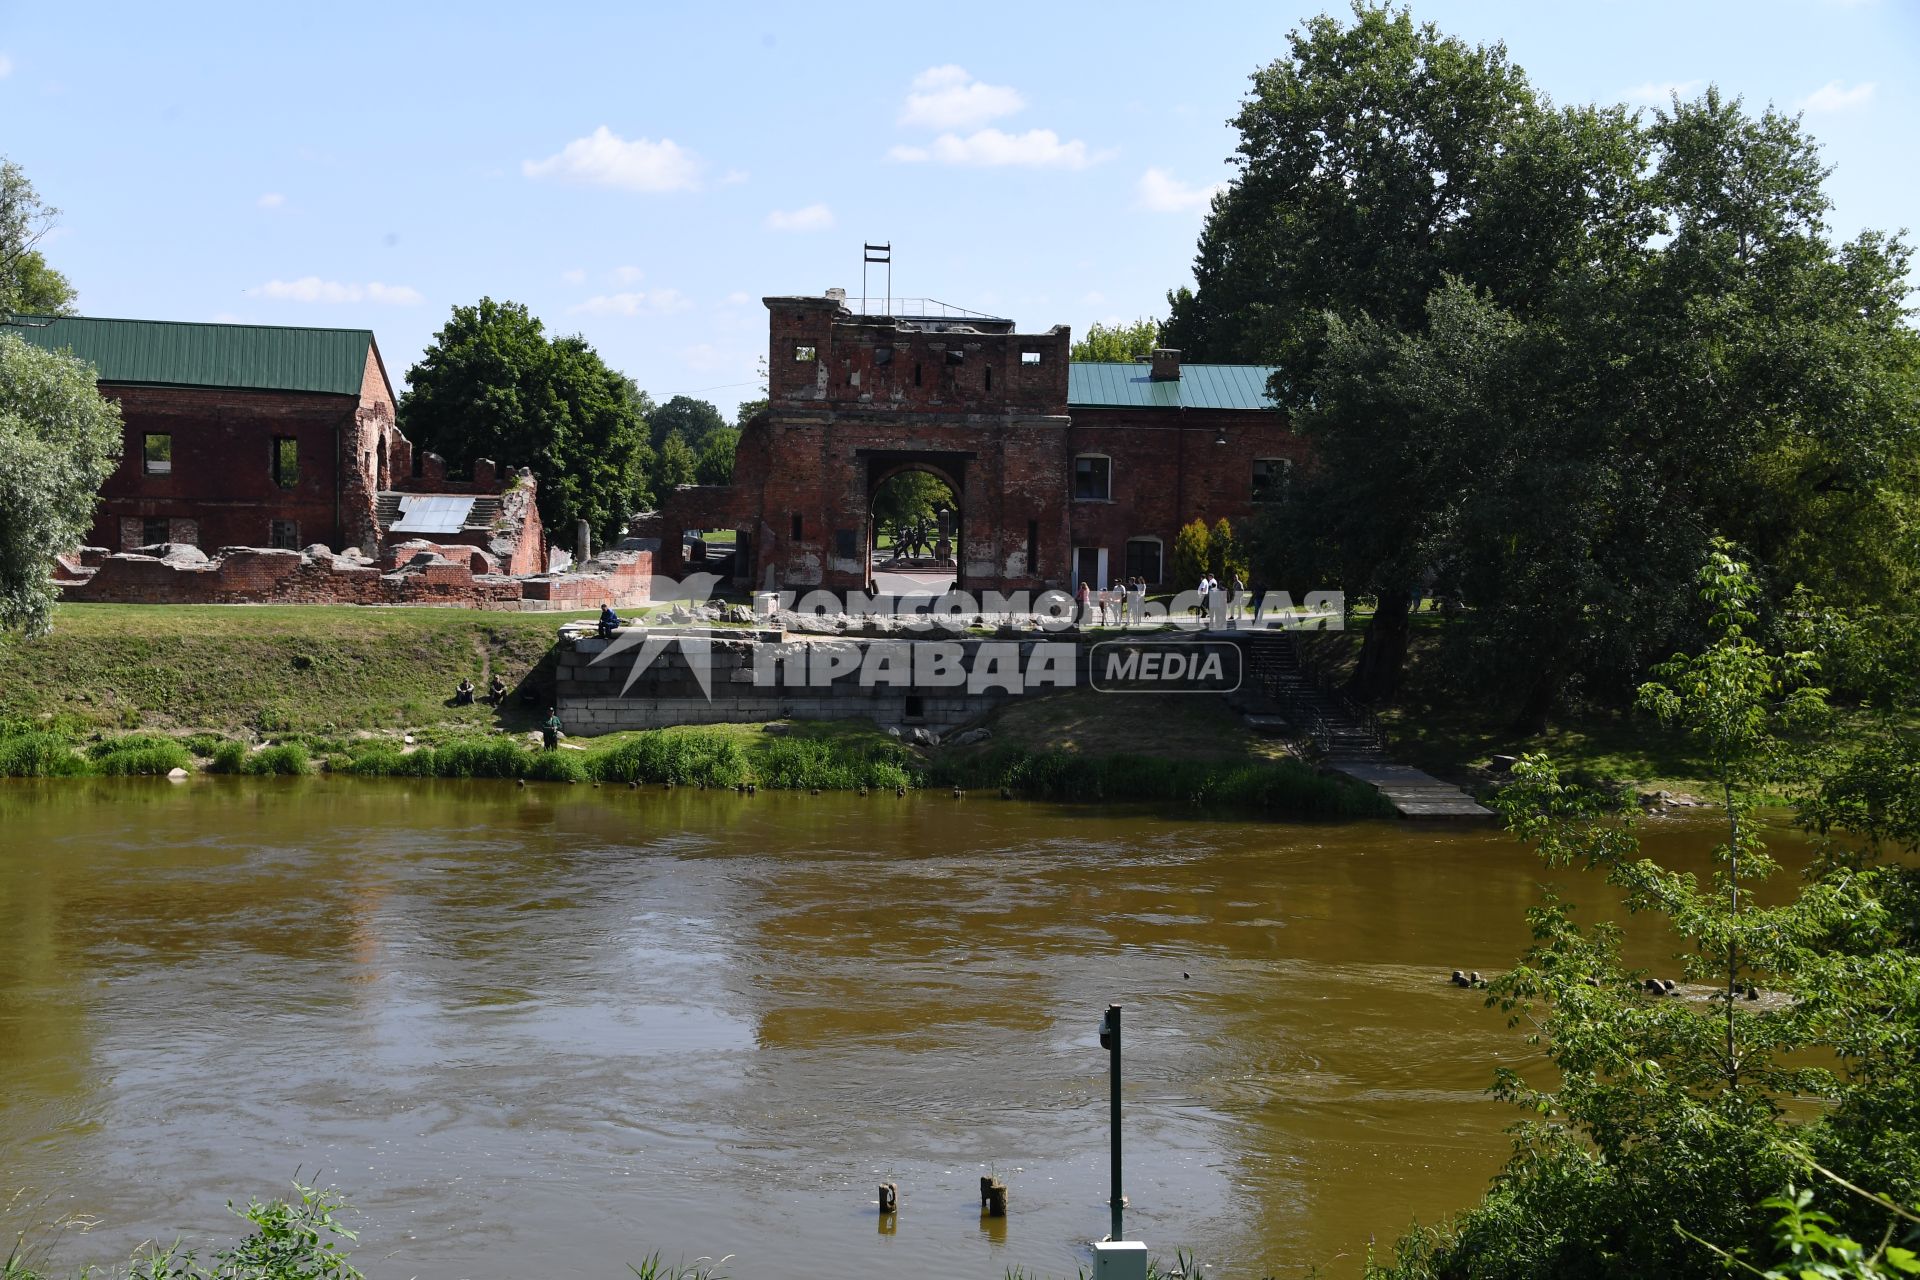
(39, 755)
(229, 757)
(157, 758)
(289, 758)
(709, 758)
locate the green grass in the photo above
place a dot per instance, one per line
(272, 668)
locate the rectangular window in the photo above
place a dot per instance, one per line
(1093, 477)
(1029, 357)
(286, 461)
(804, 354)
(156, 452)
(285, 534)
(796, 526)
(846, 543)
(1143, 559)
(1270, 477)
(1033, 546)
(153, 532)
(883, 355)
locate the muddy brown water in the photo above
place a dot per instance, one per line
(550, 1030)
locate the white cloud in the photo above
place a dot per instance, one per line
(271, 200)
(815, 217)
(948, 98)
(1659, 93)
(1161, 192)
(314, 289)
(574, 275)
(632, 303)
(1835, 96)
(990, 148)
(739, 298)
(6, 66)
(1094, 299)
(627, 275)
(604, 159)
(733, 177)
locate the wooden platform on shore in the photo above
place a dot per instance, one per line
(1412, 793)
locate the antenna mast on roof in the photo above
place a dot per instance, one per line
(882, 253)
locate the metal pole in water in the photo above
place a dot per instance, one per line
(1110, 1041)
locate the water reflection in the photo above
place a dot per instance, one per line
(548, 1030)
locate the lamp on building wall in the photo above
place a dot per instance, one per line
(1220, 436)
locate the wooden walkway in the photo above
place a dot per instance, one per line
(1412, 793)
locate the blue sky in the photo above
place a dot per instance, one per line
(645, 174)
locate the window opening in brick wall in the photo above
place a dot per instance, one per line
(156, 452)
(804, 353)
(1029, 357)
(286, 461)
(796, 526)
(153, 531)
(1143, 559)
(1093, 476)
(284, 534)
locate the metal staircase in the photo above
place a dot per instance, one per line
(1278, 683)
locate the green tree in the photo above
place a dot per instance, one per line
(692, 420)
(491, 384)
(1118, 343)
(675, 465)
(1672, 1119)
(28, 286)
(1365, 157)
(59, 439)
(911, 497)
(1226, 557)
(1192, 554)
(715, 463)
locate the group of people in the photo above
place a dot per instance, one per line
(463, 696)
(1124, 602)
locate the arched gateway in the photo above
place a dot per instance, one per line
(1061, 470)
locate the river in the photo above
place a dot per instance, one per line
(549, 1030)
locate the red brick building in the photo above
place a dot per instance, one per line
(278, 437)
(1062, 470)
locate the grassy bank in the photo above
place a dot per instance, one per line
(271, 668)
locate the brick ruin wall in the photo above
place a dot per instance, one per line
(415, 573)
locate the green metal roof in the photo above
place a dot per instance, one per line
(177, 353)
(1092, 385)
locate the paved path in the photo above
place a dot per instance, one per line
(1412, 793)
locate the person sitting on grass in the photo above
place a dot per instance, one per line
(463, 696)
(550, 732)
(609, 620)
(496, 690)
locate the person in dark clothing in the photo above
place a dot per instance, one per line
(496, 690)
(609, 620)
(550, 732)
(463, 696)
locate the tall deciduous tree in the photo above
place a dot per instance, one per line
(690, 419)
(715, 463)
(492, 384)
(27, 284)
(59, 439)
(1118, 343)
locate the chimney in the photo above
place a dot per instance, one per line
(1166, 365)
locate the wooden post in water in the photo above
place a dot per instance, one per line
(993, 1196)
(889, 1197)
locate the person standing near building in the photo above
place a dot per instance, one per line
(550, 733)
